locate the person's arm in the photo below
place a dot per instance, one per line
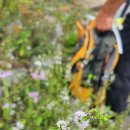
(106, 15)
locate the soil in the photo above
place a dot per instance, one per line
(90, 3)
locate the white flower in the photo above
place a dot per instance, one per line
(15, 128)
(62, 125)
(78, 116)
(12, 113)
(84, 125)
(19, 125)
(65, 98)
(51, 105)
(65, 94)
(29, 48)
(38, 63)
(13, 105)
(68, 72)
(58, 60)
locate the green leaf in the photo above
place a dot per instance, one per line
(53, 128)
(71, 40)
(85, 118)
(109, 116)
(22, 52)
(39, 121)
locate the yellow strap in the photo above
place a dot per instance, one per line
(90, 27)
(81, 53)
(116, 58)
(80, 29)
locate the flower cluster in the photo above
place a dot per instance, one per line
(78, 120)
(18, 126)
(62, 125)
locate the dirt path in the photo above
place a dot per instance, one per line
(90, 3)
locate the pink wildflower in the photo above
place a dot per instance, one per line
(34, 76)
(6, 74)
(40, 76)
(34, 96)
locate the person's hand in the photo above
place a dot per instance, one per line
(104, 21)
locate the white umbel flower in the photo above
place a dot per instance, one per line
(62, 125)
(38, 63)
(78, 116)
(19, 125)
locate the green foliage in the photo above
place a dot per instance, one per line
(71, 40)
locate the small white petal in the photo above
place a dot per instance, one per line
(19, 125)
(78, 118)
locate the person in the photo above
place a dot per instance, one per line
(119, 90)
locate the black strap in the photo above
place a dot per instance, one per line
(125, 8)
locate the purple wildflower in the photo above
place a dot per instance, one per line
(36, 76)
(6, 74)
(6, 105)
(42, 75)
(34, 96)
